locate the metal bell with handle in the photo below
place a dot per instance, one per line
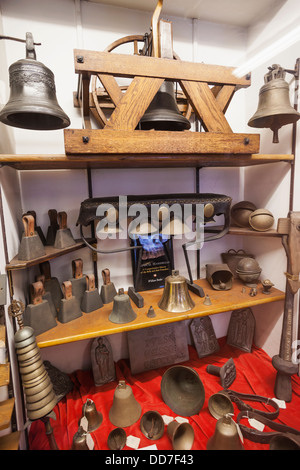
(274, 107)
(122, 311)
(226, 436)
(32, 103)
(176, 297)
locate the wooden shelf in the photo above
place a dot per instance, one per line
(50, 253)
(97, 323)
(111, 161)
(244, 231)
(10, 441)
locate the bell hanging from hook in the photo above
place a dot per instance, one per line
(32, 103)
(274, 107)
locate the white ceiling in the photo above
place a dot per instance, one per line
(236, 12)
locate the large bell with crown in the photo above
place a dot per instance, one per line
(226, 435)
(125, 409)
(32, 103)
(274, 107)
(163, 113)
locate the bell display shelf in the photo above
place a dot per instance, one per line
(97, 323)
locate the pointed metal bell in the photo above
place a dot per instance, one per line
(79, 440)
(225, 436)
(163, 113)
(93, 416)
(176, 297)
(274, 107)
(32, 103)
(122, 311)
(181, 435)
(125, 410)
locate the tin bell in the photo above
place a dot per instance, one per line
(125, 409)
(122, 311)
(274, 107)
(176, 297)
(32, 103)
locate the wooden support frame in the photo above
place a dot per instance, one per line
(208, 88)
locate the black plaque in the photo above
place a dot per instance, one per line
(204, 337)
(241, 329)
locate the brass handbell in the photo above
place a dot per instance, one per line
(93, 416)
(225, 436)
(125, 409)
(32, 103)
(274, 107)
(176, 297)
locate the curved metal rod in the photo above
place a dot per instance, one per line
(19, 40)
(119, 250)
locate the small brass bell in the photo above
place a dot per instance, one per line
(182, 390)
(163, 113)
(125, 410)
(219, 404)
(225, 436)
(79, 440)
(122, 311)
(274, 107)
(176, 297)
(152, 425)
(116, 439)
(94, 417)
(32, 103)
(181, 435)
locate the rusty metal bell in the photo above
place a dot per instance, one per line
(122, 311)
(274, 107)
(93, 416)
(226, 436)
(125, 409)
(182, 390)
(181, 435)
(176, 297)
(163, 113)
(32, 103)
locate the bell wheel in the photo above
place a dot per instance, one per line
(101, 104)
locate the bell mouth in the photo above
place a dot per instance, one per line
(35, 121)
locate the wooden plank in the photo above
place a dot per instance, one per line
(205, 106)
(61, 162)
(162, 142)
(134, 103)
(131, 66)
(4, 374)
(6, 409)
(97, 323)
(10, 441)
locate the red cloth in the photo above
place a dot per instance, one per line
(255, 374)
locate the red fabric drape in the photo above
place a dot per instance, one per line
(254, 375)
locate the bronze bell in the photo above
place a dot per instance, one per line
(176, 297)
(225, 436)
(219, 404)
(94, 417)
(285, 441)
(125, 410)
(116, 439)
(152, 425)
(122, 311)
(79, 440)
(182, 390)
(163, 113)
(32, 103)
(274, 107)
(181, 435)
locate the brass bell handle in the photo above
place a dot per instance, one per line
(67, 289)
(90, 282)
(106, 276)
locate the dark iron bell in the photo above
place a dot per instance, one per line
(32, 103)
(274, 107)
(163, 113)
(122, 311)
